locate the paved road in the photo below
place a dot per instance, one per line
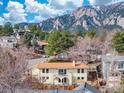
(50, 91)
(32, 62)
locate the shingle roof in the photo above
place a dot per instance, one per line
(61, 65)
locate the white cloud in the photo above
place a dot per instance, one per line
(51, 9)
(103, 2)
(1, 21)
(65, 4)
(16, 12)
(43, 10)
(92, 2)
(38, 18)
(1, 3)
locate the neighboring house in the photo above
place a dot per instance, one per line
(42, 43)
(8, 41)
(40, 48)
(60, 73)
(112, 63)
(113, 68)
(63, 55)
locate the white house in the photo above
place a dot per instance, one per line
(109, 61)
(113, 67)
(8, 41)
(66, 73)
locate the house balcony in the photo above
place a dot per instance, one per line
(61, 75)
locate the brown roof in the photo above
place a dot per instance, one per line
(60, 65)
(43, 42)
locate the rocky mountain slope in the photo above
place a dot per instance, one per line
(87, 18)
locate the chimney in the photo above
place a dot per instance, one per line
(73, 63)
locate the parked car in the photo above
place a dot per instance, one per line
(45, 56)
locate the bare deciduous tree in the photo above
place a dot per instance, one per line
(87, 49)
(12, 69)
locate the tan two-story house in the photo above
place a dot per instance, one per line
(66, 73)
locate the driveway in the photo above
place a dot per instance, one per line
(32, 62)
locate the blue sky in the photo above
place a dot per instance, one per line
(17, 11)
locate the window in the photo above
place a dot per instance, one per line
(82, 70)
(78, 70)
(43, 78)
(62, 71)
(59, 80)
(64, 80)
(120, 66)
(47, 77)
(45, 70)
(78, 78)
(10, 40)
(82, 78)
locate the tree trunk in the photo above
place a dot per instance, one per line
(13, 90)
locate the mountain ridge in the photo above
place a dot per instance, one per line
(88, 17)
